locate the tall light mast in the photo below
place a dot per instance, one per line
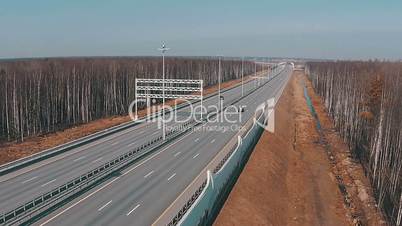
(163, 49)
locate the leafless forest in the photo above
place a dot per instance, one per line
(43, 95)
(365, 101)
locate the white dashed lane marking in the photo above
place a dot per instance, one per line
(97, 160)
(149, 174)
(172, 176)
(31, 179)
(43, 185)
(138, 205)
(105, 205)
(78, 159)
(131, 144)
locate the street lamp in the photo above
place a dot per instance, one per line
(255, 73)
(219, 84)
(242, 74)
(163, 49)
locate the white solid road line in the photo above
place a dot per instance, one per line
(133, 209)
(139, 131)
(83, 199)
(104, 186)
(82, 148)
(25, 181)
(115, 179)
(149, 174)
(153, 156)
(177, 153)
(212, 141)
(105, 205)
(43, 185)
(171, 176)
(97, 160)
(78, 159)
(195, 156)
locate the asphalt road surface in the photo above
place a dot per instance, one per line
(27, 183)
(143, 191)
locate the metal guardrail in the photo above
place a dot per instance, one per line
(97, 173)
(23, 162)
(214, 168)
(177, 210)
(92, 175)
(194, 210)
(48, 153)
(20, 163)
(173, 214)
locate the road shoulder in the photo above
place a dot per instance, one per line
(288, 179)
(11, 151)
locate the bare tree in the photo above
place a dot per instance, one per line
(44, 95)
(365, 101)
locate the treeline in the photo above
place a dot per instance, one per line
(365, 101)
(44, 95)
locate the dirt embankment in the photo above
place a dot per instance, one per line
(289, 178)
(363, 208)
(10, 151)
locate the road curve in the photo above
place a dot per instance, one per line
(29, 182)
(140, 193)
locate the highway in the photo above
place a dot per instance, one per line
(140, 193)
(25, 184)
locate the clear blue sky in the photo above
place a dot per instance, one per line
(337, 29)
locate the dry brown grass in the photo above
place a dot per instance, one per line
(288, 179)
(10, 151)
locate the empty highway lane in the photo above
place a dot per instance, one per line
(140, 193)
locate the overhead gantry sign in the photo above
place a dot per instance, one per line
(181, 89)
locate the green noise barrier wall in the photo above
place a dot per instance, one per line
(219, 184)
